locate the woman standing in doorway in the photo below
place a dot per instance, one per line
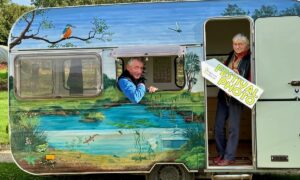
(229, 108)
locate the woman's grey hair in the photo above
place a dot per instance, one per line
(140, 59)
(240, 37)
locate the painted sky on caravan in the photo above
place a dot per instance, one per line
(137, 24)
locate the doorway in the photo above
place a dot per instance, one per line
(218, 44)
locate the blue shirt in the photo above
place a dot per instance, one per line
(132, 92)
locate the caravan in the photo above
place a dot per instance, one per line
(67, 115)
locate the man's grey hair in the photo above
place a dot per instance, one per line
(241, 37)
(140, 59)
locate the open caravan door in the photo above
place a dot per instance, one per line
(277, 66)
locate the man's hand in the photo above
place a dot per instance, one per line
(152, 89)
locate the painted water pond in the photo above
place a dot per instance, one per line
(123, 130)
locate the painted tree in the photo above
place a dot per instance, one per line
(56, 3)
(99, 30)
(191, 69)
(265, 11)
(292, 11)
(234, 10)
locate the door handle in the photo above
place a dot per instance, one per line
(294, 83)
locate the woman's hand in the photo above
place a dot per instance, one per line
(236, 71)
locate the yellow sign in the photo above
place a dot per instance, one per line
(230, 82)
(50, 157)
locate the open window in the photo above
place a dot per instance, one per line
(218, 44)
(57, 75)
(163, 65)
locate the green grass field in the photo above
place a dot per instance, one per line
(11, 171)
(3, 117)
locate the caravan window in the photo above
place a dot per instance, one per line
(57, 75)
(164, 72)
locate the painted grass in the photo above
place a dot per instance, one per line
(3, 117)
(112, 95)
(81, 162)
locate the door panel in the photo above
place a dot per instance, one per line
(277, 59)
(277, 47)
(278, 134)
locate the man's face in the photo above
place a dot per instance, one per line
(135, 69)
(239, 46)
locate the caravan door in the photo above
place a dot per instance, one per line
(277, 66)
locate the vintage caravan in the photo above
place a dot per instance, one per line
(67, 115)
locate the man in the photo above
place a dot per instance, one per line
(228, 107)
(131, 82)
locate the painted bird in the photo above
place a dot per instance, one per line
(67, 31)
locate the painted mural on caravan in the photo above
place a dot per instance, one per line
(59, 126)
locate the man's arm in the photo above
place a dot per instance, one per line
(132, 92)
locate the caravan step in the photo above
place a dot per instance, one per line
(232, 176)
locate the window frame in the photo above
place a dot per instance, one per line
(55, 67)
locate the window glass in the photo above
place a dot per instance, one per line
(59, 75)
(35, 78)
(179, 72)
(162, 70)
(81, 74)
(119, 66)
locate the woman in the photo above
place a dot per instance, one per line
(228, 107)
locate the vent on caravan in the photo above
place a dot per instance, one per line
(147, 51)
